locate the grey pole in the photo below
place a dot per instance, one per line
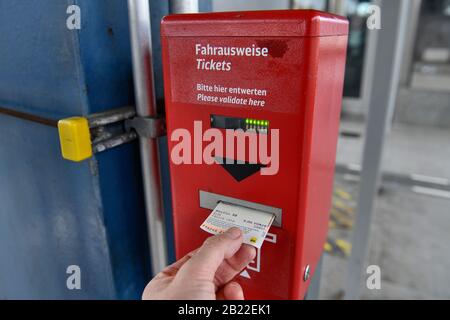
(382, 100)
(337, 6)
(184, 6)
(314, 287)
(141, 43)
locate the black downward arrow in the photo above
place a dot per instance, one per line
(239, 170)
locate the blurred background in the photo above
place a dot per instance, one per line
(391, 204)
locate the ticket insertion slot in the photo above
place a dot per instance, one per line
(210, 200)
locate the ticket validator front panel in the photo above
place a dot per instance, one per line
(252, 73)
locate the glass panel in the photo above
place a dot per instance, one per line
(310, 4)
(357, 12)
(431, 67)
(434, 37)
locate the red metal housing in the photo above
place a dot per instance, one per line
(303, 75)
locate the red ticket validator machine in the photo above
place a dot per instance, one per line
(275, 77)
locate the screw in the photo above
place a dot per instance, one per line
(307, 273)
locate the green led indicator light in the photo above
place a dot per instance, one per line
(255, 122)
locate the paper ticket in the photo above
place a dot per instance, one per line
(254, 223)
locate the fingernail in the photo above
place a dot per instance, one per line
(234, 233)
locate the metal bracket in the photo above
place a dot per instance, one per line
(147, 127)
(111, 116)
(110, 129)
(113, 142)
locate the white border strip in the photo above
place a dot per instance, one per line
(432, 192)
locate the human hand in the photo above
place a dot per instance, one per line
(206, 273)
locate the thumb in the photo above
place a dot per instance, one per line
(204, 264)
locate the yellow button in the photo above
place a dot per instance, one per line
(75, 139)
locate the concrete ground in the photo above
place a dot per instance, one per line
(408, 149)
(410, 238)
